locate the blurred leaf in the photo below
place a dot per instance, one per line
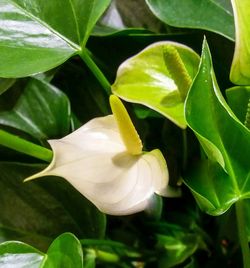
(42, 111)
(142, 18)
(89, 258)
(65, 251)
(108, 31)
(145, 79)
(88, 100)
(212, 15)
(37, 212)
(5, 84)
(36, 36)
(238, 98)
(224, 139)
(177, 250)
(19, 255)
(112, 22)
(240, 73)
(143, 112)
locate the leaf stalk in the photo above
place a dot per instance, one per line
(243, 237)
(95, 70)
(23, 146)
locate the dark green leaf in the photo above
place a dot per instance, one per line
(121, 15)
(42, 111)
(37, 212)
(36, 36)
(64, 252)
(19, 255)
(5, 84)
(87, 98)
(212, 15)
(225, 140)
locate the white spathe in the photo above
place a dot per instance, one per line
(95, 161)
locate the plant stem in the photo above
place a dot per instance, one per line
(242, 233)
(16, 143)
(96, 71)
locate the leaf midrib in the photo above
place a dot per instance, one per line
(75, 20)
(221, 7)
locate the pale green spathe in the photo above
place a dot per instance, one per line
(145, 79)
(240, 69)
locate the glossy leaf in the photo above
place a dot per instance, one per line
(65, 251)
(224, 139)
(240, 69)
(19, 255)
(238, 98)
(42, 111)
(36, 36)
(212, 15)
(145, 79)
(38, 212)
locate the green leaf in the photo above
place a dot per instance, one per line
(211, 15)
(65, 251)
(42, 111)
(89, 258)
(37, 212)
(5, 84)
(240, 71)
(120, 20)
(40, 35)
(224, 139)
(238, 98)
(177, 250)
(19, 255)
(145, 79)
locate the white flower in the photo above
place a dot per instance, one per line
(104, 161)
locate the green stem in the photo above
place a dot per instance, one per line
(16, 143)
(243, 237)
(107, 256)
(96, 71)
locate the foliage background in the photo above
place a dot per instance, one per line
(54, 103)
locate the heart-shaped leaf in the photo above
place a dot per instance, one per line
(240, 72)
(65, 251)
(145, 79)
(37, 35)
(225, 140)
(42, 111)
(19, 255)
(212, 15)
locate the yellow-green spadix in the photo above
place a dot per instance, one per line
(104, 161)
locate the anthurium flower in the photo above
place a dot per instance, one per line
(104, 161)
